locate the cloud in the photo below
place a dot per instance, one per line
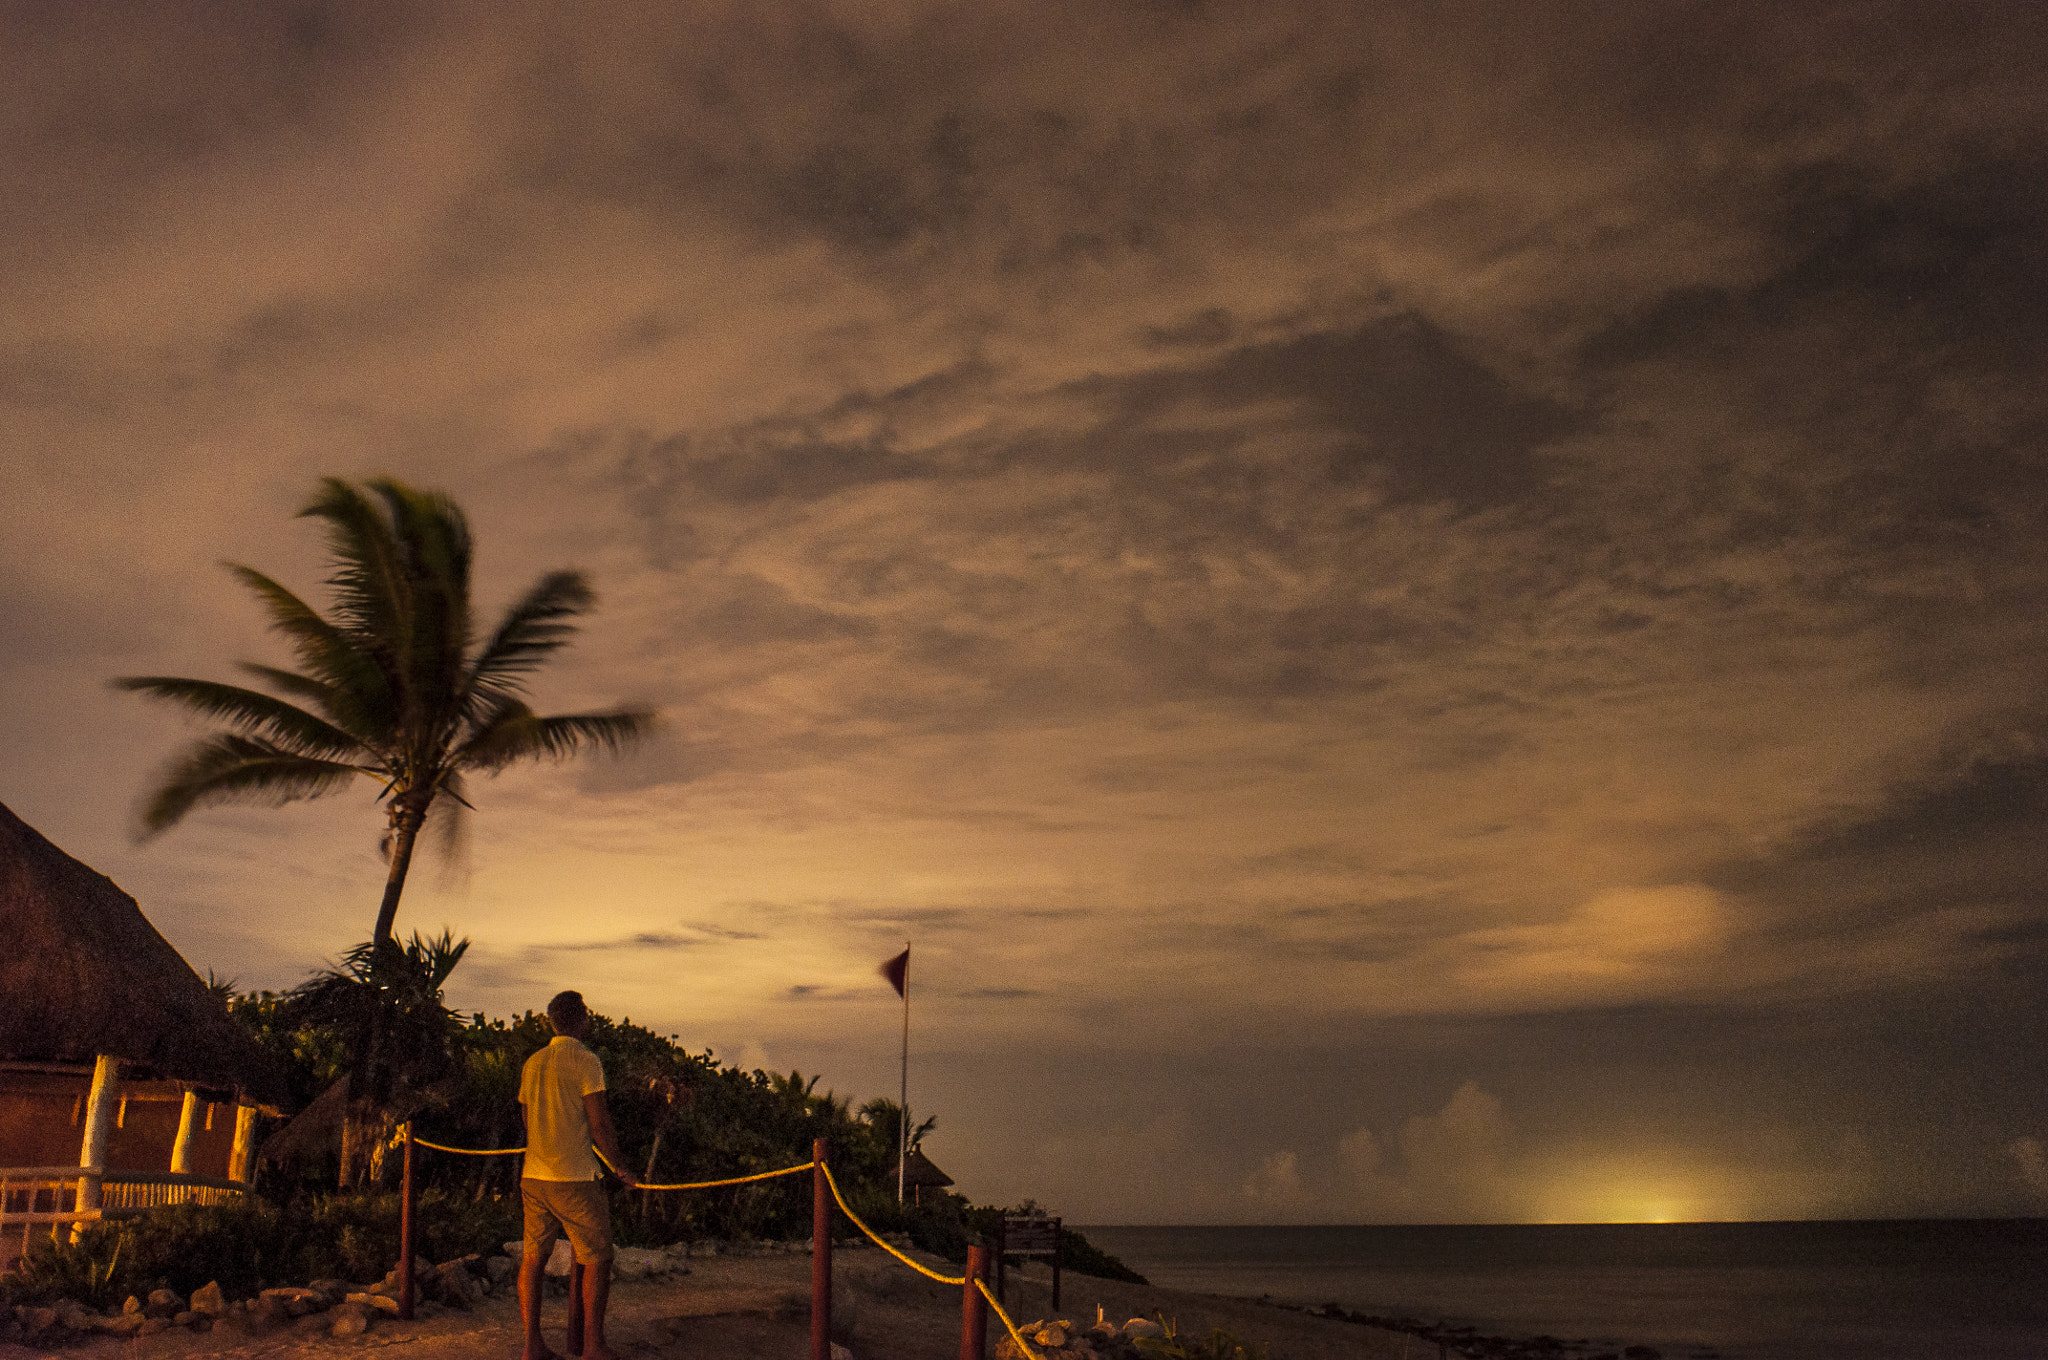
(1453, 1166)
(1275, 1186)
(2032, 1161)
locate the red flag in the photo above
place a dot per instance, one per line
(897, 970)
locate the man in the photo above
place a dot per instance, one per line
(561, 1092)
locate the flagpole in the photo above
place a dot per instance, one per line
(903, 1104)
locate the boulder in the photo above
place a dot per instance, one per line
(632, 1263)
(124, 1324)
(452, 1284)
(36, 1323)
(349, 1319)
(376, 1302)
(76, 1316)
(152, 1325)
(207, 1299)
(563, 1257)
(133, 1305)
(1138, 1327)
(162, 1303)
(501, 1268)
(331, 1292)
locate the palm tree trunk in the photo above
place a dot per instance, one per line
(406, 821)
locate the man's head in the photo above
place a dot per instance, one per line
(568, 1014)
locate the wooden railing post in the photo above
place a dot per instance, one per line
(973, 1308)
(821, 1253)
(407, 1197)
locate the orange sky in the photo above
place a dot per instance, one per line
(1421, 614)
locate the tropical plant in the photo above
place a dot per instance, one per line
(396, 685)
(383, 1003)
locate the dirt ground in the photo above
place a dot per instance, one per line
(759, 1309)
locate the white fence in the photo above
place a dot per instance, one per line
(31, 1196)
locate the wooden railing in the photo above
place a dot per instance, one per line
(31, 1196)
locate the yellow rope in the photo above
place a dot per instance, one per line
(706, 1185)
(982, 1285)
(684, 1185)
(469, 1152)
(927, 1273)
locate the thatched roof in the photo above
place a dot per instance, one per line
(919, 1169)
(83, 973)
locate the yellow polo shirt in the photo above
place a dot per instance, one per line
(551, 1087)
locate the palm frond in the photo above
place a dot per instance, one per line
(227, 768)
(360, 690)
(535, 627)
(372, 596)
(515, 732)
(250, 712)
(434, 545)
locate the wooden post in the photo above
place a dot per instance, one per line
(1002, 1258)
(188, 1134)
(1055, 1265)
(821, 1253)
(100, 1107)
(242, 1160)
(408, 1193)
(974, 1308)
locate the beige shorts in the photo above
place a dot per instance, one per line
(576, 1209)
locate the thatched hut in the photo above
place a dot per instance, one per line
(919, 1171)
(112, 1050)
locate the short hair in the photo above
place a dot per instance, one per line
(567, 1011)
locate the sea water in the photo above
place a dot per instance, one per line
(1878, 1290)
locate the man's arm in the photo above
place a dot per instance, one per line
(607, 1142)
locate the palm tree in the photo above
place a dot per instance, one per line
(395, 685)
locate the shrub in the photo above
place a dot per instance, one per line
(252, 1243)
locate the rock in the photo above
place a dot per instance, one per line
(452, 1284)
(1052, 1334)
(162, 1303)
(515, 1250)
(152, 1325)
(501, 1268)
(1138, 1327)
(124, 1324)
(183, 1318)
(331, 1292)
(133, 1305)
(35, 1322)
(313, 1324)
(633, 1263)
(207, 1299)
(377, 1302)
(840, 1352)
(563, 1257)
(349, 1319)
(76, 1316)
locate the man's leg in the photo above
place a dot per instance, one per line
(597, 1290)
(587, 1219)
(541, 1227)
(577, 1270)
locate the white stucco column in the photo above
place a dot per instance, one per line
(100, 1106)
(188, 1134)
(242, 1160)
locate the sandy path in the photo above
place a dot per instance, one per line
(759, 1309)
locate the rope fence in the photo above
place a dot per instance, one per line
(975, 1295)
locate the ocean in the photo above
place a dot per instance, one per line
(1876, 1290)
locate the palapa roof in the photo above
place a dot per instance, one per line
(919, 1169)
(84, 973)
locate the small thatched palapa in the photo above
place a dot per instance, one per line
(919, 1169)
(84, 974)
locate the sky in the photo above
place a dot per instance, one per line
(1420, 612)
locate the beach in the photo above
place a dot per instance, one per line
(758, 1308)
